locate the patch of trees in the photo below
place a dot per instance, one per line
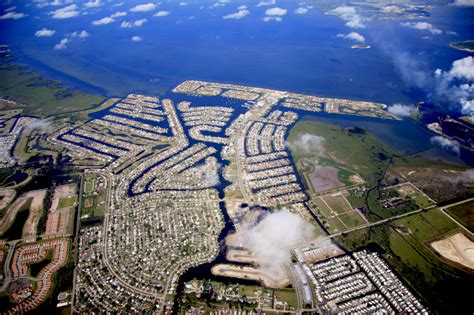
(47, 202)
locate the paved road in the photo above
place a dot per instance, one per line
(76, 239)
(296, 285)
(381, 221)
(7, 272)
(406, 215)
(443, 209)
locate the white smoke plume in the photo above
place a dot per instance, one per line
(447, 144)
(209, 172)
(411, 69)
(401, 110)
(40, 125)
(465, 177)
(271, 239)
(308, 144)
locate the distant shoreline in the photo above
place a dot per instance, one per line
(467, 46)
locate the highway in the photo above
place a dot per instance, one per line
(443, 209)
(364, 226)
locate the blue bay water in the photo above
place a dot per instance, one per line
(302, 53)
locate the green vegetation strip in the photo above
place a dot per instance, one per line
(40, 96)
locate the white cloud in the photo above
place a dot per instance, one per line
(118, 14)
(266, 3)
(276, 11)
(62, 44)
(103, 21)
(391, 9)
(93, 4)
(45, 3)
(12, 16)
(54, 3)
(353, 36)
(272, 18)
(238, 15)
(66, 12)
(272, 238)
(145, 7)
(126, 24)
(219, 3)
(44, 32)
(109, 19)
(216, 5)
(137, 39)
(301, 10)
(81, 34)
(183, 4)
(463, 3)
(461, 69)
(447, 144)
(10, 9)
(401, 110)
(456, 85)
(274, 14)
(161, 13)
(308, 144)
(242, 7)
(340, 11)
(349, 14)
(66, 40)
(423, 26)
(43, 126)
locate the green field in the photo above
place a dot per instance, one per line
(341, 217)
(338, 204)
(355, 151)
(440, 180)
(288, 295)
(406, 245)
(464, 213)
(67, 202)
(94, 198)
(237, 295)
(40, 96)
(351, 148)
(352, 219)
(408, 190)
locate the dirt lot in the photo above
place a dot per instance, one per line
(324, 178)
(276, 279)
(6, 196)
(10, 214)
(59, 219)
(29, 229)
(88, 203)
(36, 208)
(457, 248)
